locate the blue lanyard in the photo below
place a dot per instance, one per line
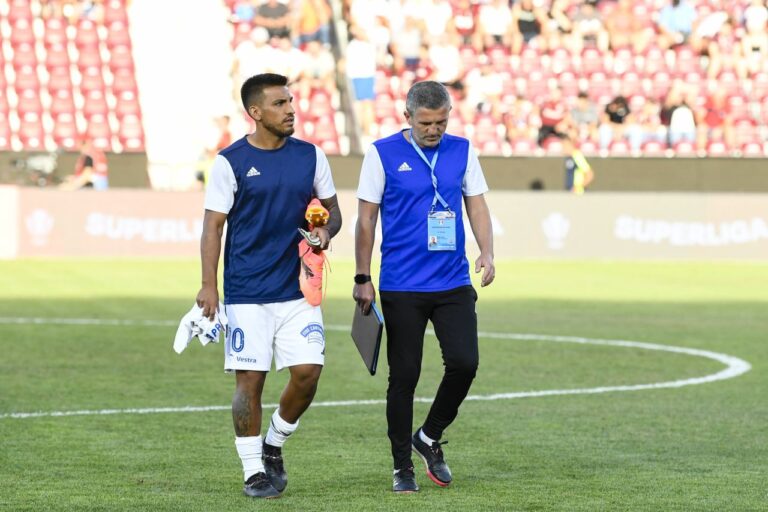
(431, 165)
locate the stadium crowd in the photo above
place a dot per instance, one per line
(622, 77)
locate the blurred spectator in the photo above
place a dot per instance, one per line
(91, 170)
(275, 17)
(313, 22)
(406, 46)
(755, 41)
(584, 118)
(465, 25)
(682, 123)
(252, 56)
(90, 10)
(319, 71)
(675, 23)
(578, 172)
(446, 61)
(244, 11)
(626, 30)
(495, 24)
(219, 138)
(289, 60)
(559, 25)
(437, 19)
(529, 21)
(614, 121)
(360, 66)
(724, 52)
(519, 120)
(706, 28)
(714, 120)
(484, 89)
(646, 127)
(588, 29)
(553, 117)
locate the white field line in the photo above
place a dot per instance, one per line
(733, 368)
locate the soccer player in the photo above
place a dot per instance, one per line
(260, 187)
(418, 179)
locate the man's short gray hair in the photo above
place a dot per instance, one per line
(428, 94)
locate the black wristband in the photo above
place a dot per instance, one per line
(362, 278)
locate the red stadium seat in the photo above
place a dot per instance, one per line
(91, 80)
(31, 132)
(384, 106)
(653, 148)
(99, 132)
(684, 149)
(120, 57)
(114, 10)
(62, 102)
(592, 61)
(19, 10)
(131, 134)
(89, 57)
(26, 79)
(753, 149)
(24, 55)
(22, 32)
(29, 103)
(128, 105)
(523, 146)
(87, 34)
(717, 148)
(118, 35)
(5, 132)
(56, 56)
(59, 78)
(95, 104)
(619, 148)
(55, 32)
(686, 61)
(65, 133)
(123, 80)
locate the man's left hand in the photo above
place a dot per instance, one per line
(485, 262)
(325, 238)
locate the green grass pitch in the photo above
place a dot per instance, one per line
(699, 447)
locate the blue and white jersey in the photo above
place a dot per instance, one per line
(394, 176)
(265, 194)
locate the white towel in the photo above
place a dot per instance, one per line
(195, 324)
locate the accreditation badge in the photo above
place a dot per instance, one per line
(441, 231)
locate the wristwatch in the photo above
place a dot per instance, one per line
(362, 278)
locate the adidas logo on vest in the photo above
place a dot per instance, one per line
(253, 172)
(404, 167)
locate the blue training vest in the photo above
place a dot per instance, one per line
(261, 260)
(406, 262)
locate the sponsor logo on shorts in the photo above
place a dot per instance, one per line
(314, 333)
(245, 359)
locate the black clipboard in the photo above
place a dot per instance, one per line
(366, 333)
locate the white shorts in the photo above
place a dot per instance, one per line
(292, 330)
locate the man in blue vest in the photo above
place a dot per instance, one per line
(260, 187)
(418, 179)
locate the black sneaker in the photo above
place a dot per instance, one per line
(272, 457)
(404, 481)
(437, 469)
(259, 486)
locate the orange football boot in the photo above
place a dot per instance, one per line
(311, 271)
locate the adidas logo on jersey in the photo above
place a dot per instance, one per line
(253, 172)
(404, 167)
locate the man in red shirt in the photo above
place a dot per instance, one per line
(553, 116)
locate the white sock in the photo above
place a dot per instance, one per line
(279, 430)
(249, 450)
(424, 438)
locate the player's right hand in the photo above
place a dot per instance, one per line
(208, 299)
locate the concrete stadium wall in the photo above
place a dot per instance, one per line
(140, 223)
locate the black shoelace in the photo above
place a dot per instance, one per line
(437, 450)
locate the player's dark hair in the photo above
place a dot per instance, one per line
(428, 94)
(252, 90)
